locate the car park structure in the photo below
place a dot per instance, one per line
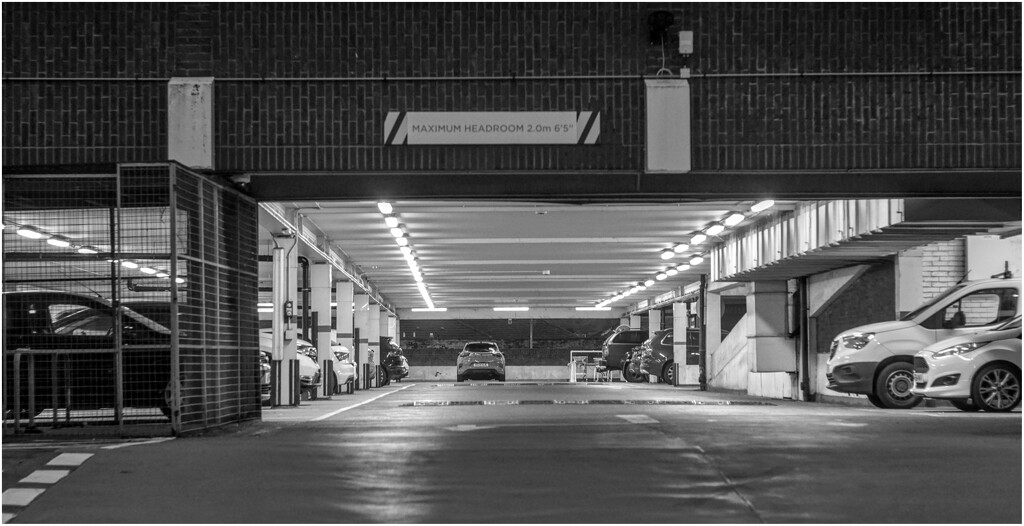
(651, 167)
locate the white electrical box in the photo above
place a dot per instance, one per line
(686, 42)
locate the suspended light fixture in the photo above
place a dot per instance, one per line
(430, 309)
(162, 274)
(680, 248)
(671, 271)
(649, 282)
(715, 229)
(179, 280)
(661, 276)
(734, 219)
(402, 241)
(391, 221)
(698, 238)
(59, 241)
(397, 231)
(384, 207)
(147, 270)
(599, 307)
(683, 268)
(30, 232)
(763, 205)
(511, 309)
(87, 250)
(129, 264)
(667, 254)
(696, 260)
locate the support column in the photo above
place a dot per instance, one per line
(770, 349)
(320, 300)
(343, 315)
(373, 335)
(634, 321)
(653, 326)
(688, 373)
(361, 322)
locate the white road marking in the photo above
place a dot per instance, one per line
(8, 517)
(638, 419)
(845, 424)
(129, 444)
(469, 427)
(21, 496)
(45, 476)
(364, 402)
(69, 459)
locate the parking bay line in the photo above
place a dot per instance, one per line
(353, 406)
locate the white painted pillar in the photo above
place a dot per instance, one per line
(361, 322)
(343, 314)
(654, 319)
(770, 349)
(688, 374)
(373, 334)
(320, 300)
(634, 321)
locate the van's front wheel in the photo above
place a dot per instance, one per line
(893, 386)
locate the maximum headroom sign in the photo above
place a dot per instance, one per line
(492, 127)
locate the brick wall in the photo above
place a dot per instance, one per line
(871, 299)
(124, 53)
(942, 266)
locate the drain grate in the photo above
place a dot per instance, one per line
(442, 403)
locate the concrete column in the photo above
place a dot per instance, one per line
(361, 323)
(190, 121)
(688, 374)
(769, 347)
(634, 321)
(654, 319)
(343, 314)
(373, 334)
(393, 329)
(385, 326)
(320, 283)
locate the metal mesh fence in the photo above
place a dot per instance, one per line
(129, 303)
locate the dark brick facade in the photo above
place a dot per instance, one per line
(869, 299)
(301, 87)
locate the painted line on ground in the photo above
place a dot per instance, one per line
(45, 476)
(69, 459)
(638, 419)
(22, 497)
(445, 403)
(353, 406)
(130, 444)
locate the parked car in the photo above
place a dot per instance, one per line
(657, 356)
(480, 360)
(40, 321)
(345, 371)
(877, 360)
(394, 360)
(631, 366)
(309, 369)
(616, 346)
(264, 378)
(977, 371)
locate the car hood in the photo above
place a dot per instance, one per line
(879, 328)
(979, 337)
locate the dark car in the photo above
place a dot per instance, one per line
(656, 356)
(68, 341)
(480, 360)
(394, 362)
(617, 345)
(631, 366)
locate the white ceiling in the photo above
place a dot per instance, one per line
(485, 254)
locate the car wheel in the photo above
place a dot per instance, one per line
(893, 386)
(964, 405)
(668, 373)
(383, 377)
(875, 401)
(460, 378)
(501, 378)
(996, 387)
(630, 376)
(312, 393)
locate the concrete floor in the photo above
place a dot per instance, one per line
(550, 453)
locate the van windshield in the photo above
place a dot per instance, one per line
(917, 312)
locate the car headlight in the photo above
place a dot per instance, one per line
(858, 340)
(963, 348)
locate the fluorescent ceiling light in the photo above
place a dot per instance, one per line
(59, 241)
(715, 229)
(264, 304)
(511, 309)
(384, 207)
(593, 308)
(265, 309)
(147, 270)
(391, 221)
(763, 205)
(696, 260)
(697, 239)
(129, 264)
(671, 271)
(406, 250)
(397, 231)
(661, 276)
(680, 248)
(430, 309)
(179, 280)
(87, 250)
(649, 282)
(734, 219)
(667, 254)
(402, 241)
(162, 274)
(682, 268)
(30, 232)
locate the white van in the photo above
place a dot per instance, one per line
(877, 360)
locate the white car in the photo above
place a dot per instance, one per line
(345, 371)
(309, 369)
(978, 371)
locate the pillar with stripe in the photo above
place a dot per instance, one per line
(320, 299)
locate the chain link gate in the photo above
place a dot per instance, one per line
(129, 303)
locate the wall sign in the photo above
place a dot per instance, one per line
(492, 127)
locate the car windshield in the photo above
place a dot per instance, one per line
(917, 312)
(481, 347)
